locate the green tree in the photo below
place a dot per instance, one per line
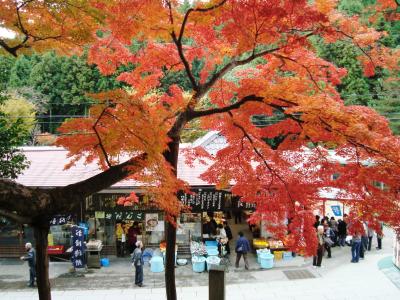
(13, 133)
(6, 64)
(376, 91)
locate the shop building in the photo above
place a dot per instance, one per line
(101, 214)
(100, 211)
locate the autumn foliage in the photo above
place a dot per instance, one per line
(258, 59)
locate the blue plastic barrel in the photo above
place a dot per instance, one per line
(157, 264)
(267, 260)
(199, 264)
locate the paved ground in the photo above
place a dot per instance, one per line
(372, 278)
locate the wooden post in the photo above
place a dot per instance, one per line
(216, 285)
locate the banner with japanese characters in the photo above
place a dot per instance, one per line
(78, 247)
(60, 220)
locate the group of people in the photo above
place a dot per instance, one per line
(222, 233)
(126, 237)
(332, 233)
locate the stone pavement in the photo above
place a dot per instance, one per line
(372, 278)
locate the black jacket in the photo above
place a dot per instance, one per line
(342, 228)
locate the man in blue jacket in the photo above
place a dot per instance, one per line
(242, 247)
(31, 258)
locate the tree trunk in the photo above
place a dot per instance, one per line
(42, 262)
(170, 261)
(170, 230)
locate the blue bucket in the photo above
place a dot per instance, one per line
(105, 262)
(267, 260)
(199, 264)
(157, 264)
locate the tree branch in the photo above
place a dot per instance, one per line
(185, 19)
(15, 217)
(99, 138)
(238, 104)
(228, 67)
(104, 179)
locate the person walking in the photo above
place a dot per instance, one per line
(328, 239)
(364, 240)
(317, 260)
(242, 247)
(370, 237)
(31, 259)
(334, 227)
(317, 222)
(379, 236)
(222, 239)
(342, 232)
(355, 247)
(229, 236)
(137, 262)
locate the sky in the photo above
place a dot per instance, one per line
(4, 33)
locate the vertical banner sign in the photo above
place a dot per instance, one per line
(77, 247)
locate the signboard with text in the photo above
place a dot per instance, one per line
(204, 200)
(78, 247)
(124, 215)
(60, 220)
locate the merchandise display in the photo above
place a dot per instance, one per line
(197, 249)
(260, 243)
(275, 244)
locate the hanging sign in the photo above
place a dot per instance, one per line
(336, 210)
(99, 214)
(78, 247)
(204, 200)
(124, 215)
(60, 220)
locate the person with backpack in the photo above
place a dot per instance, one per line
(242, 247)
(229, 236)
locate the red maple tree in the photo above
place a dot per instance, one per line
(258, 59)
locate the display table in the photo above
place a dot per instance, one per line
(93, 251)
